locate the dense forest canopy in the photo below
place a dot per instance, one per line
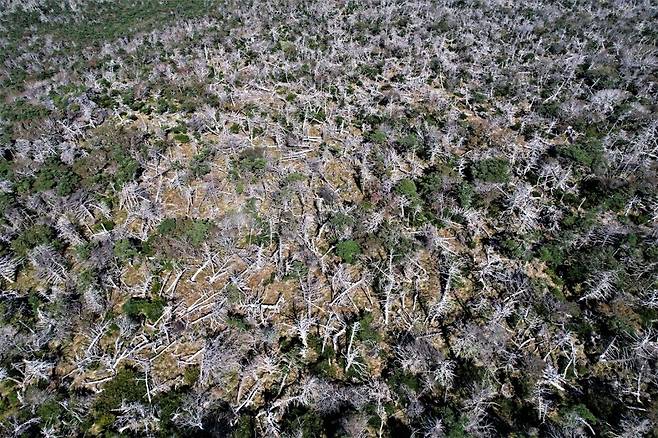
(328, 218)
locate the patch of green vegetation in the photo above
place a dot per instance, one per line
(395, 241)
(378, 137)
(83, 251)
(261, 233)
(195, 231)
(455, 424)
(552, 253)
(101, 21)
(367, 332)
(6, 171)
(54, 174)
(341, 221)
(167, 226)
(104, 225)
(402, 378)
(234, 294)
(607, 193)
(407, 188)
(245, 427)
(200, 166)
(168, 404)
(110, 161)
(465, 194)
(296, 270)
(21, 110)
(182, 138)
(514, 247)
(86, 278)
(250, 162)
(63, 94)
(127, 386)
(294, 177)
(583, 412)
(492, 170)
(326, 364)
(125, 249)
(409, 142)
(348, 250)
(371, 71)
(419, 210)
(6, 201)
(234, 128)
(304, 420)
(34, 236)
(442, 178)
(50, 411)
(151, 309)
(237, 321)
(191, 375)
(127, 169)
(579, 264)
(589, 154)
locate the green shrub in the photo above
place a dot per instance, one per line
(394, 241)
(5, 169)
(68, 183)
(294, 177)
(197, 231)
(191, 375)
(348, 250)
(49, 411)
(429, 184)
(514, 247)
(251, 161)
(552, 253)
(85, 279)
(588, 154)
(304, 420)
(244, 427)
(182, 138)
(34, 236)
(127, 169)
(492, 170)
(401, 378)
(46, 179)
(409, 142)
(340, 221)
(296, 270)
(194, 230)
(610, 194)
(199, 165)
(465, 194)
(167, 226)
(366, 330)
(125, 250)
(168, 404)
(407, 188)
(126, 385)
(6, 201)
(583, 412)
(22, 110)
(378, 137)
(54, 174)
(371, 70)
(238, 322)
(141, 307)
